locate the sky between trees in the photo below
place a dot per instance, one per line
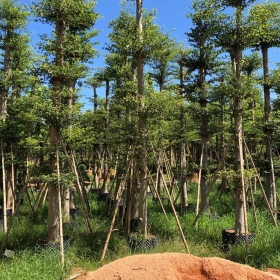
(171, 16)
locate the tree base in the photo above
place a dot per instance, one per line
(137, 242)
(43, 246)
(104, 196)
(229, 238)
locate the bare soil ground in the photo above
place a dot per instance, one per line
(176, 266)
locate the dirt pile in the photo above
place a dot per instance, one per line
(173, 266)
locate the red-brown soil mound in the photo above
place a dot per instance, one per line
(173, 266)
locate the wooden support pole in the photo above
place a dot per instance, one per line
(262, 188)
(78, 188)
(59, 208)
(73, 168)
(212, 183)
(12, 219)
(241, 156)
(157, 195)
(175, 214)
(198, 185)
(81, 183)
(116, 208)
(38, 200)
(4, 189)
(251, 191)
(173, 209)
(13, 179)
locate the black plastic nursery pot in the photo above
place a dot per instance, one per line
(9, 213)
(75, 212)
(104, 196)
(52, 248)
(139, 243)
(229, 238)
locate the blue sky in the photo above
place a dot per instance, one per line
(171, 15)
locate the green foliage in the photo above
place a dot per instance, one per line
(27, 265)
(263, 24)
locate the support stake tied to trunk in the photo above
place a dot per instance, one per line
(59, 207)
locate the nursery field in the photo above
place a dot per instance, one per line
(84, 249)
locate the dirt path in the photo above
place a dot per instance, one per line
(176, 266)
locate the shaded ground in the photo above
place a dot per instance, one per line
(176, 266)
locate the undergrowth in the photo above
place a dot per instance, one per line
(204, 239)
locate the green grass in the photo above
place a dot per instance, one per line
(86, 249)
(27, 265)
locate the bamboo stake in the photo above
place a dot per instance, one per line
(37, 202)
(129, 193)
(29, 199)
(173, 209)
(78, 188)
(157, 195)
(122, 187)
(168, 172)
(45, 196)
(12, 219)
(77, 185)
(273, 183)
(241, 155)
(177, 196)
(251, 191)
(175, 214)
(13, 181)
(190, 154)
(4, 190)
(212, 183)
(28, 176)
(262, 189)
(81, 184)
(59, 209)
(198, 185)
(41, 196)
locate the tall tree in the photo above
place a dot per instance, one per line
(235, 45)
(13, 41)
(142, 142)
(66, 53)
(205, 18)
(263, 33)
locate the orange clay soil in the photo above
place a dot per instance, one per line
(173, 266)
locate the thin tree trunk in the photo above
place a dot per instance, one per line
(59, 209)
(4, 189)
(183, 160)
(106, 176)
(199, 185)
(57, 84)
(204, 126)
(269, 182)
(142, 151)
(240, 225)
